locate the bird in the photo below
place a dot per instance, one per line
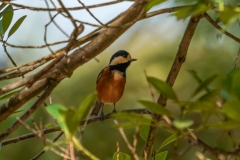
(111, 81)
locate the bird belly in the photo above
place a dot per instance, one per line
(110, 89)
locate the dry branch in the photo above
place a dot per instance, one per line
(79, 57)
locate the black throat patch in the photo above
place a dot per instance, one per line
(120, 67)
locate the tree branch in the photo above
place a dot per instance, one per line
(50, 86)
(79, 57)
(176, 66)
(220, 28)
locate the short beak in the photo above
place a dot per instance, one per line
(133, 59)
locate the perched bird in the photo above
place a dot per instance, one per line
(111, 81)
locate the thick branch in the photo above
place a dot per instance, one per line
(77, 58)
(176, 66)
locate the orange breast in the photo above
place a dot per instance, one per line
(110, 86)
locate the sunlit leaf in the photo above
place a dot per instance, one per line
(144, 132)
(56, 111)
(7, 18)
(169, 140)
(155, 108)
(162, 87)
(228, 16)
(71, 119)
(7, 96)
(192, 10)
(152, 3)
(85, 106)
(121, 156)
(16, 26)
(182, 123)
(161, 156)
(204, 85)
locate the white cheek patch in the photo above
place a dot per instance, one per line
(119, 60)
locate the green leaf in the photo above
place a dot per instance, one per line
(152, 3)
(121, 156)
(192, 10)
(162, 87)
(182, 123)
(227, 83)
(210, 96)
(227, 125)
(7, 18)
(71, 119)
(16, 26)
(232, 109)
(1, 7)
(194, 75)
(9, 95)
(204, 84)
(169, 140)
(236, 84)
(144, 132)
(155, 108)
(56, 111)
(0, 146)
(1, 27)
(161, 156)
(85, 106)
(229, 15)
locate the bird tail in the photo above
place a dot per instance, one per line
(97, 108)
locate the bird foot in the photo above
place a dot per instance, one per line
(114, 111)
(101, 116)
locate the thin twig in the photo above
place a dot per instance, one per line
(90, 13)
(130, 147)
(30, 111)
(33, 47)
(86, 39)
(60, 9)
(55, 129)
(220, 28)
(43, 151)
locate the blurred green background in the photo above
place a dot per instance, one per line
(154, 42)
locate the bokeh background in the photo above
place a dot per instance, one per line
(154, 42)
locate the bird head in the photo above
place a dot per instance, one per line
(121, 57)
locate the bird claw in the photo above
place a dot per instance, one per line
(101, 116)
(114, 111)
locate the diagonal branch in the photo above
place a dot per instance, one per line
(220, 28)
(50, 86)
(79, 57)
(176, 66)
